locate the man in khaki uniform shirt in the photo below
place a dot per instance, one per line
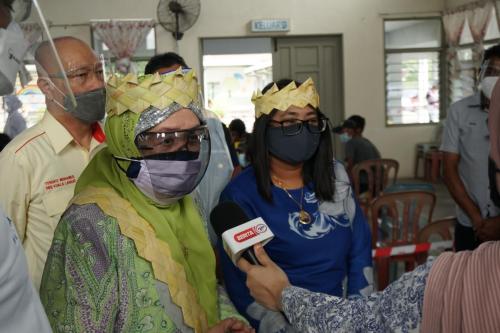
(40, 167)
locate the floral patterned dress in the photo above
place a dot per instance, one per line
(398, 308)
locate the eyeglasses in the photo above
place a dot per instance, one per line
(295, 126)
(167, 142)
(83, 75)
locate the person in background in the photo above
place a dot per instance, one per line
(40, 166)
(4, 140)
(164, 63)
(130, 253)
(320, 234)
(465, 144)
(432, 98)
(221, 166)
(15, 123)
(241, 140)
(20, 307)
(357, 147)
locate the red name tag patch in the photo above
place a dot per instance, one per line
(59, 182)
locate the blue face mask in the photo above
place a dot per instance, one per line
(344, 137)
(242, 159)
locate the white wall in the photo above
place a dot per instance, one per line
(359, 22)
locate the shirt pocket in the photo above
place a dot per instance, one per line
(55, 203)
(474, 132)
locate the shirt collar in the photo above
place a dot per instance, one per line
(98, 136)
(475, 101)
(58, 135)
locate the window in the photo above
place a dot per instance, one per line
(466, 83)
(412, 71)
(141, 56)
(32, 98)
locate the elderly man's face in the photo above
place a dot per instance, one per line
(81, 66)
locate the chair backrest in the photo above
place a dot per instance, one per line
(396, 218)
(379, 174)
(443, 228)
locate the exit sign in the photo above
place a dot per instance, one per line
(270, 25)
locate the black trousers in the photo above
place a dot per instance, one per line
(465, 238)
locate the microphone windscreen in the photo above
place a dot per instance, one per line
(225, 216)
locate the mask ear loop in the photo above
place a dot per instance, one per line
(48, 79)
(132, 170)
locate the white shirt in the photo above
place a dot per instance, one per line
(466, 134)
(38, 174)
(20, 307)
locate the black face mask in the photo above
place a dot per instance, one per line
(293, 149)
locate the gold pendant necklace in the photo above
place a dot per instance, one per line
(304, 217)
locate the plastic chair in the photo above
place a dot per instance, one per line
(379, 174)
(406, 187)
(442, 228)
(396, 219)
(433, 165)
(422, 149)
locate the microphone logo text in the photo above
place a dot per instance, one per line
(249, 233)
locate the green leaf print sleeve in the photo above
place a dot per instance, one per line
(226, 307)
(80, 286)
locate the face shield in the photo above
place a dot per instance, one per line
(74, 74)
(488, 76)
(87, 106)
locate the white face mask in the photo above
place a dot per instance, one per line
(13, 46)
(488, 84)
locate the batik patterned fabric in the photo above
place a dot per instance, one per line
(95, 281)
(398, 308)
(317, 257)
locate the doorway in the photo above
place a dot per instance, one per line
(233, 68)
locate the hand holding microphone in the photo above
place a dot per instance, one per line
(265, 282)
(238, 233)
(243, 241)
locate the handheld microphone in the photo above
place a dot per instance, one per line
(238, 234)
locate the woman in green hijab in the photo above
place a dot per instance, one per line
(130, 253)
